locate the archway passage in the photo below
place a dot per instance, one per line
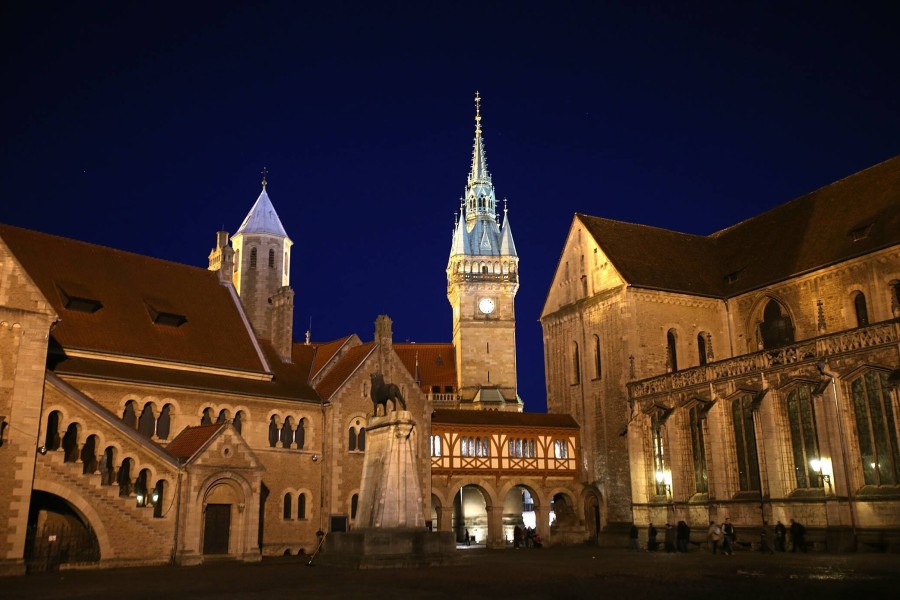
(470, 515)
(592, 516)
(57, 534)
(519, 519)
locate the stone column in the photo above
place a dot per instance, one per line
(542, 518)
(495, 527)
(445, 518)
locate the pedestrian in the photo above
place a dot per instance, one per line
(517, 537)
(468, 539)
(728, 537)
(713, 535)
(633, 543)
(780, 536)
(682, 536)
(798, 536)
(652, 544)
(669, 538)
(764, 540)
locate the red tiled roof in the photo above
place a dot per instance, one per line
(325, 351)
(191, 439)
(437, 364)
(510, 419)
(290, 381)
(343, 369)
(804, 234)
(128, 286)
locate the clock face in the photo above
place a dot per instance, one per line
(486, 305)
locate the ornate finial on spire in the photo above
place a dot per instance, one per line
(477, 112)
(264, 172)
(505, 206)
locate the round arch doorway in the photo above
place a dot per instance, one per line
(57, 534)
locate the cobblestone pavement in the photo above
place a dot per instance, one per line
(572, 572)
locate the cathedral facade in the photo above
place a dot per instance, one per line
(750, 374)
(154, 412)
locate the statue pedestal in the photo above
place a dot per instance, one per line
(389, 529)
(390, 495)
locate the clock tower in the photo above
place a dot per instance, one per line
(482, 280)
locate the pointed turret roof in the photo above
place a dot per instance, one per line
(507, 245)
(262, 218)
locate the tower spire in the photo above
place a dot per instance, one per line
(479, 172)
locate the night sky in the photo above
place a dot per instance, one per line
(144, 126)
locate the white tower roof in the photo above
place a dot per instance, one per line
(262, 218)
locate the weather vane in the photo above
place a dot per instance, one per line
(264, 172)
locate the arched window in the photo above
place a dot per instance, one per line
(361, 440)
(51, 442)
(287, 507)
(156, 499)
(252, 258)
(698, 451)
(745, 443)
(804, 445)
(576, 364)
(147, 422)
(70, 443)
(659, 454)
(351, 442)
(876, 428)
(584, 287)
(862, 313)
(701, 348)
(300, 434)
(287, 433)
(238, 420)
(776, 328)
(108, 466)
(140, 489)
(301, 506)
(223, 416)
(671, 351)
(129, 415)
(354, 504)
(597, 359)
(273, 432)
(435, 445)
(531, 452)
(163, 424)
(207, 417)
(123, 477)
(89, 455)
(271, 258)
(561, 449)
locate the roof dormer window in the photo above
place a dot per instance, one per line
(162, 314)
(78, 298)
(860, 233)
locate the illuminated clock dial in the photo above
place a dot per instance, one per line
(486, 305)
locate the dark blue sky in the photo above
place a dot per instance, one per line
(144, 126)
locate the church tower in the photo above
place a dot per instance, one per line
(482, 280)
(262, 255)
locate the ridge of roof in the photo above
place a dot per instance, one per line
(346, 366)
(486, 417)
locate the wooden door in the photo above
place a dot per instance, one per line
(216, 529)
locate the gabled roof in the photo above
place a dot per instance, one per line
(485, 417)
(191, 440)
(325, 351)
(345, 367)
(437, 364)
(262, 218)
(122, 296)
(857, 215)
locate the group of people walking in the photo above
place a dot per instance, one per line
(526, 537)
(719, 536)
